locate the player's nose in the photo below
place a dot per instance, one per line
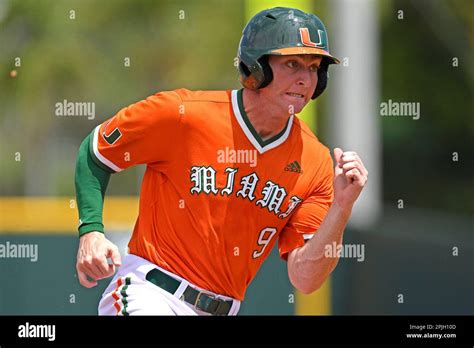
(307, 82)
(306, 77)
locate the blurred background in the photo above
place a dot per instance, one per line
(414, 220)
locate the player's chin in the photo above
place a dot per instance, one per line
(299, 109)
(295, 105)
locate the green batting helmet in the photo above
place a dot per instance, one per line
(281, 31)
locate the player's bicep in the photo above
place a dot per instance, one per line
(292, 256)
(305, 221)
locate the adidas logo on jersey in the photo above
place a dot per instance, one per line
(294, 167)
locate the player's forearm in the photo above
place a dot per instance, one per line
(309, 267)
(91, 183)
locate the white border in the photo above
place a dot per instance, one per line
(248, 133)
(97, 154)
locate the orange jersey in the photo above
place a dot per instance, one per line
(216, 197)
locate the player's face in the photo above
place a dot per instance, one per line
(294, 80)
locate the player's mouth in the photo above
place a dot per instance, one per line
(295, 95)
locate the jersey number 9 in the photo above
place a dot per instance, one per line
(263, 239)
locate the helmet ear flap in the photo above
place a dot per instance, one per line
(246, 77)
(322, 79)
(244, 70)
(257, 76)
(267, 71)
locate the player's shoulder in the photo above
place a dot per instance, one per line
(309, 139)
(186, 95)
(174, 99)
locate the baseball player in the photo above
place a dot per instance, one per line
(207, 222)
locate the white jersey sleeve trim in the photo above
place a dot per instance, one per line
(99, 156)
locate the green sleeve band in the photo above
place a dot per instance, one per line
(91, 182)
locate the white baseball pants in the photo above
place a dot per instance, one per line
(129, 293)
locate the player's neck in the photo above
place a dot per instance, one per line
(267, 120)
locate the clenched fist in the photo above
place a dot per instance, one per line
(350, 177)
(94, 249)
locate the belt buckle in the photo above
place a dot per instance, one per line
(198, 298)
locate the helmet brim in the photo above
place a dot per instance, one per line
(304, 50)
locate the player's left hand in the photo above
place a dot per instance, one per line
(350, 177)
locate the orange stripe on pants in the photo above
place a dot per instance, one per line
(116, 296)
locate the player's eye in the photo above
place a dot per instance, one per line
(292, 64)
(314, 68)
